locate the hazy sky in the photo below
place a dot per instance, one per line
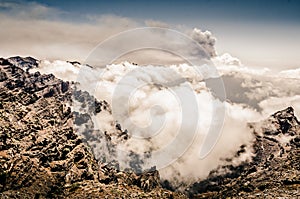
(259, 32)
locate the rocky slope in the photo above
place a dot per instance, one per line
(42, 155)
(274, 171)
(49, 150)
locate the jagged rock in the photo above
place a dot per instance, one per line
(74, 62)
(3, 76)
(64, 87)
(41, 153)
(274, 170)
(25, 63)
(149, 180)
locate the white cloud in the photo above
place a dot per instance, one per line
(293, 73)
(154, 96)
(262, 91)
(226, 60)
(278, 103)
(155, 112)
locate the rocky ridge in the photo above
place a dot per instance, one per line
(274, 170)
(42, 155)
(44, 152)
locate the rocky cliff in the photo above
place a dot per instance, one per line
(274, 170)
(42, 155)
(44, 152)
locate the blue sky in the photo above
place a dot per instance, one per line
(260, 11)
(259, 32)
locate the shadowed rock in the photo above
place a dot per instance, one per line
(41, 153)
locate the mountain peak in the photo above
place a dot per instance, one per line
(25, 63)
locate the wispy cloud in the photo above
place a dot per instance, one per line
(28, 10)
(42, 32)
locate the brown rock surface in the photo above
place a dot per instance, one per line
(274, 171)
(41, 155)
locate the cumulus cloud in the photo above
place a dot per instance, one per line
(205, 39)
(62, 69)
(293, 73)
(226, 60)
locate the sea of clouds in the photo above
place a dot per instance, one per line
(170, 107)
(150, 102)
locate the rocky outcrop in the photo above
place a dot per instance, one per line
(25, 63)
(41, 153)
(48, 149)
(274, 170)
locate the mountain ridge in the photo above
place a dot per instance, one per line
(43, 156)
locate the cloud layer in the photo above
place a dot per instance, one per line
(154, 105)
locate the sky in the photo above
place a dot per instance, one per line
(260, 33)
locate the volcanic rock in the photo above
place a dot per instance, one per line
(274, 171)
(41, 153)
